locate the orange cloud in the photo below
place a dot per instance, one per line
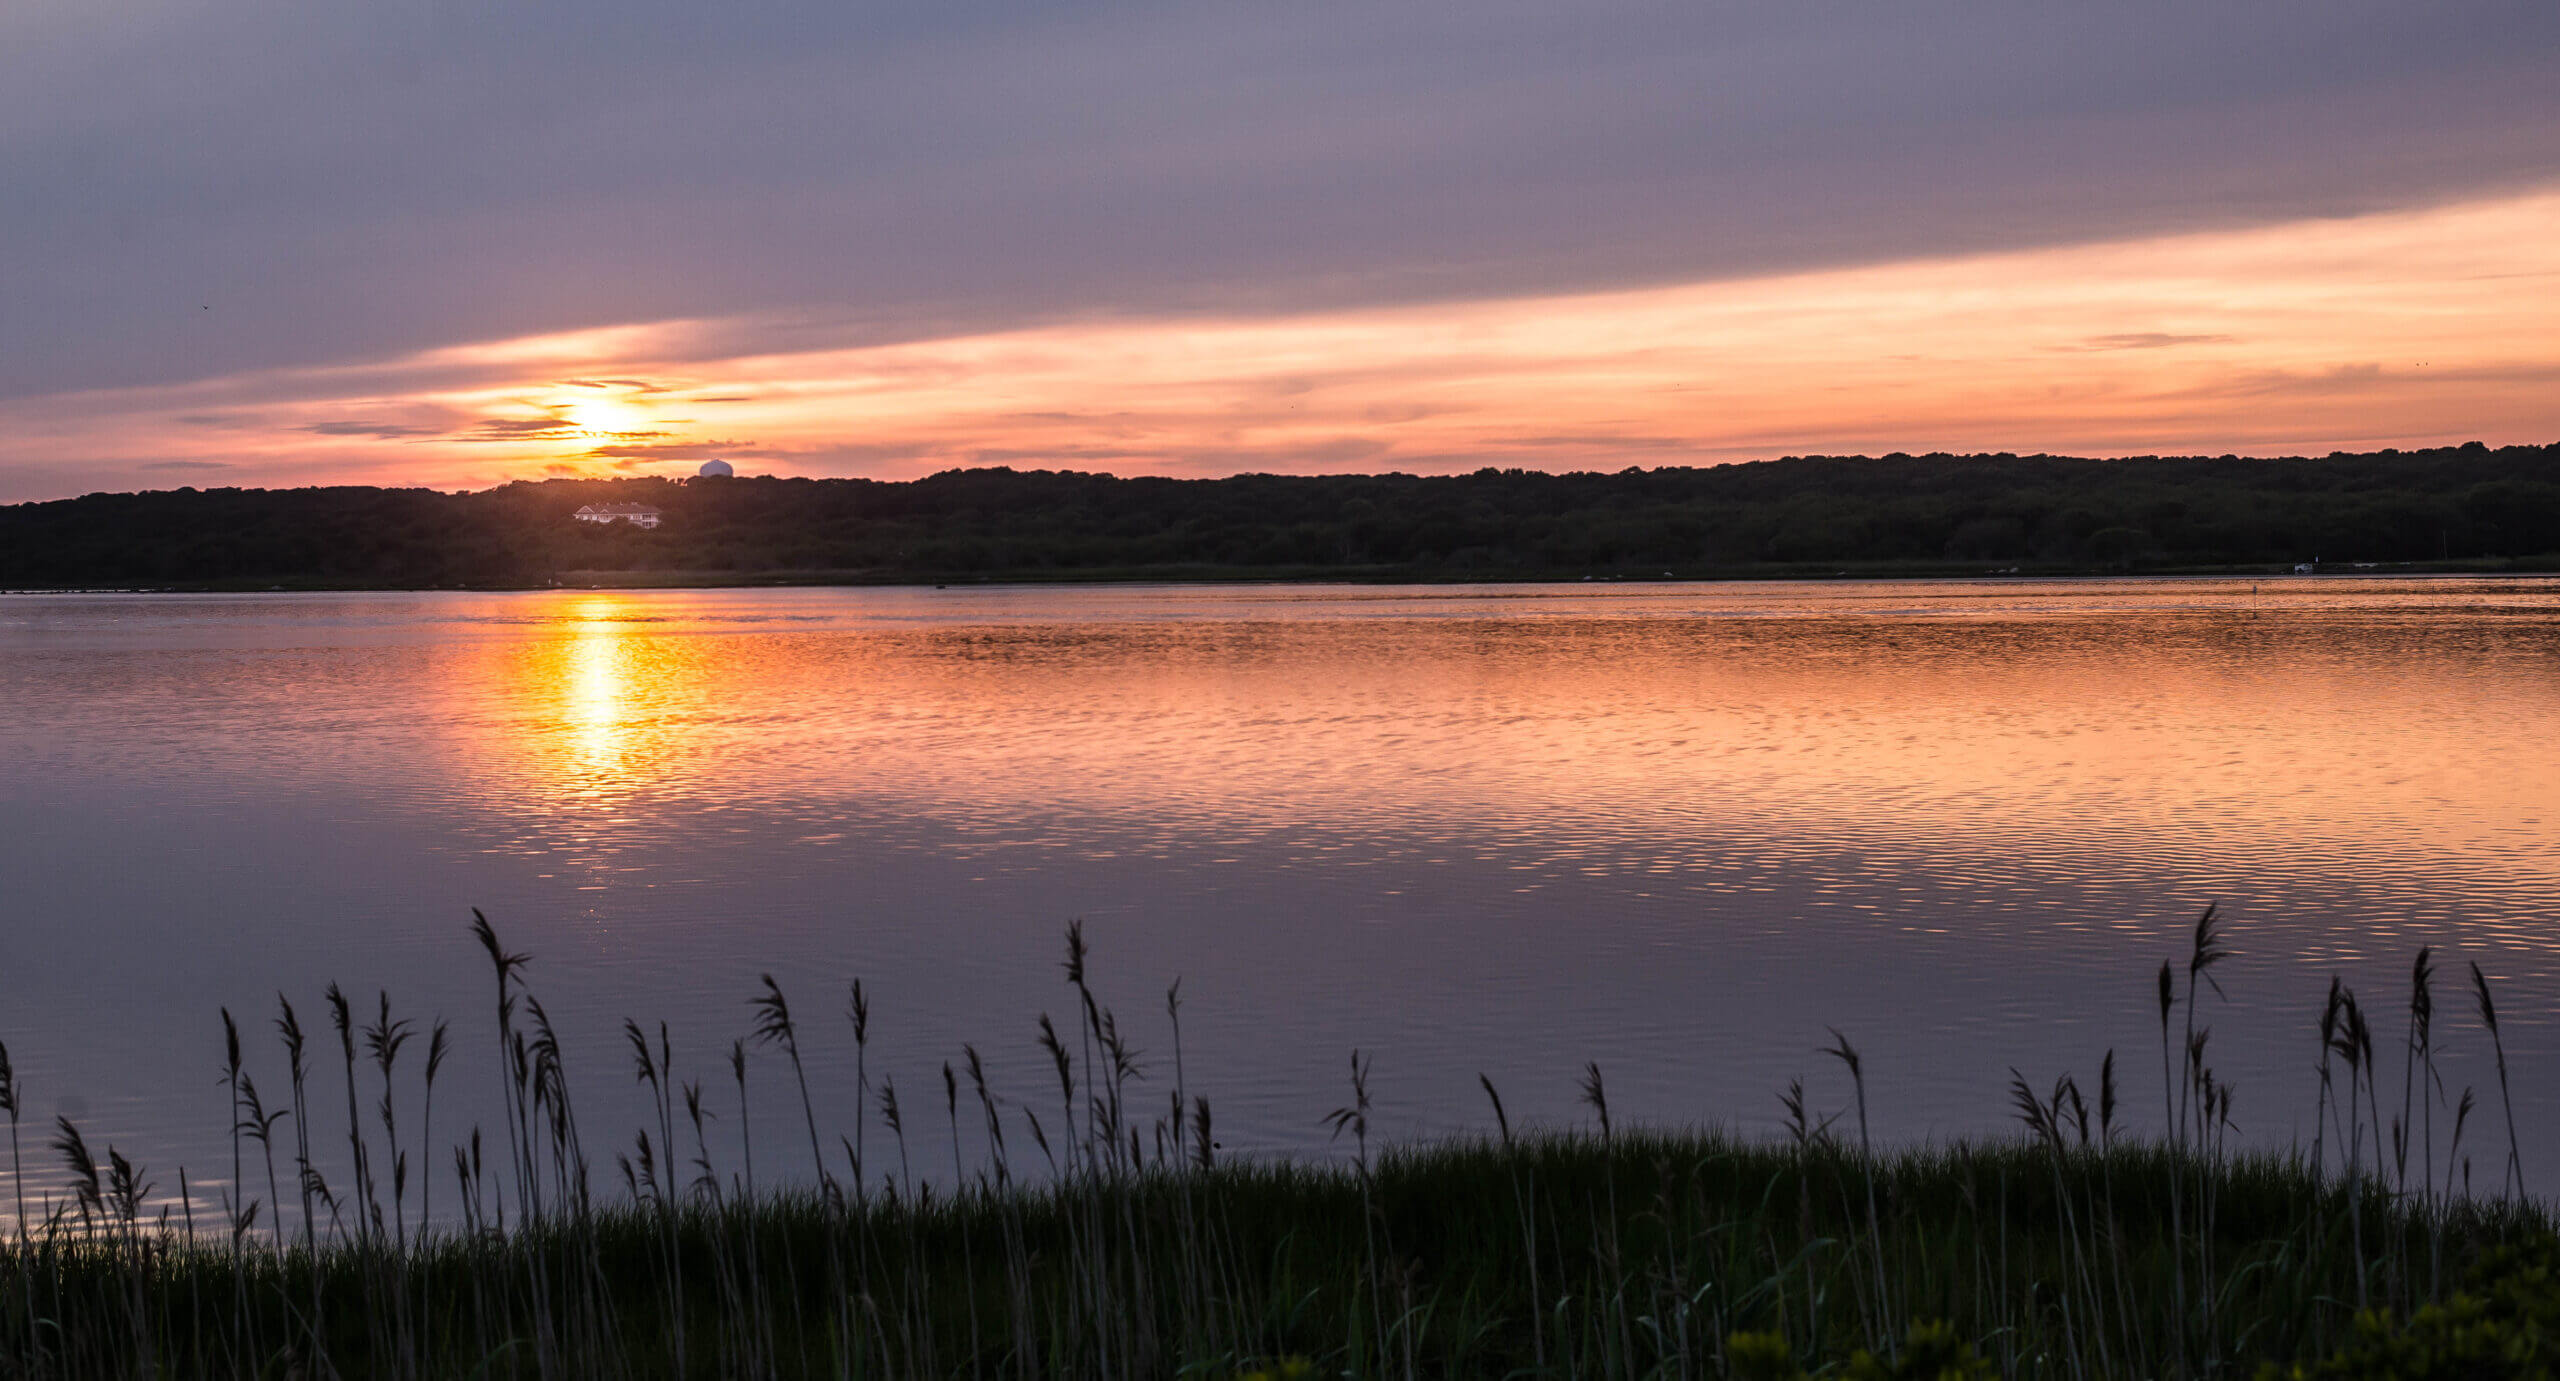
(2403, 329)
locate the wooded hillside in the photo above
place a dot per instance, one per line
(1988, 512)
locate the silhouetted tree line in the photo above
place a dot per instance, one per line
(1985, 510)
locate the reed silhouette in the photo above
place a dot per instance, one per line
(1131, 1248)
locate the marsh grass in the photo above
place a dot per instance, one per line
(1131, 1248)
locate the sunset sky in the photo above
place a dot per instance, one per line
(453, 245)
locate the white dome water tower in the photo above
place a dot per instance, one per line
(716, 469)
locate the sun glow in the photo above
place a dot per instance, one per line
(606, 416)
(2407, 329)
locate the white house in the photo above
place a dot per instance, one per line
(636, 514)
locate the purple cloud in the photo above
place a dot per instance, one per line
(378, 431)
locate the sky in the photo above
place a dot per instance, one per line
(255, 243)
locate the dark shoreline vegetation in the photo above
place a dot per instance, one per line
(1104, 1236)
(2459, 508)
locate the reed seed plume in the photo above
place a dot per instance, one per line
(2107, 1098)
(773, 1016)
(2207, 950)
(2506, 1102)
(1595, 1096)
(506, 963)
(126, 1187)
(289, 1029)
(258, 1122)
(13, 1103)
(2032, 1109)
(1075, 952)
(2453, 1151)
(774, 1027)
(1354, 1116)
(2419, 1060)
(1847, 1055)
(644, 1063)
(897, 1132)
(74, 1150)
(232, 1077)
(857, 1011)
(1800, 1125)
(2325, 1106)
(987, 1108)
(437, 1048)
(384, 1038)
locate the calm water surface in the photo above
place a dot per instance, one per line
(1676, 829)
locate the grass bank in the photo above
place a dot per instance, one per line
(1636, 1255)
(1105, 1237)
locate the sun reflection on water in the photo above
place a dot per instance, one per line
(599, 693)
(595, 691)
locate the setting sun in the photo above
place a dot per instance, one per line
(603, 415)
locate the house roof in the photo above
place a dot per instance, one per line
(621, 510)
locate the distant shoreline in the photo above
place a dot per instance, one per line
(2465, 509)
